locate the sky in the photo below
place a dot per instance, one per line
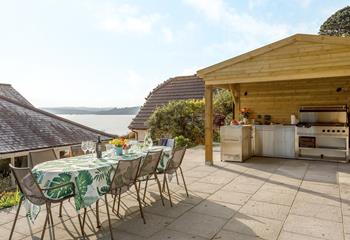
(108, 53)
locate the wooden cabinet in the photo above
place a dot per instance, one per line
(274, 141)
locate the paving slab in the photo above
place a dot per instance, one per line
(319, 198)
(135, 225)
(167, 211)
(230, 197)
(174, 235)
(281, 198)
(321, 211)
(264, 228)
(313, 227)
(264, 209)
(227, 235)
(293, 236)
(198, 224)
(215, 209)
(242, 188)
(205, 187)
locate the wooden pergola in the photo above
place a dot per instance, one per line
(277, 78)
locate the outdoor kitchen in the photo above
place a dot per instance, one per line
(320, 133)
(297, 92)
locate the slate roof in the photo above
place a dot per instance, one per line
(6, 90)
(24, 127)
(182, 87)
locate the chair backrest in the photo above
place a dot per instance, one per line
(170, 143)
(76, 151)
(175, 161)
(28, 185)
(163, 141)
(150, 163)
(126, 173)
(42, 156)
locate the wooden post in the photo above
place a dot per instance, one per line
(208, 125)
(235, 89)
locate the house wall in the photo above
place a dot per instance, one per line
(140, 134)
(281, 99)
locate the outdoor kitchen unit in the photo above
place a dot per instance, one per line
(323, 133)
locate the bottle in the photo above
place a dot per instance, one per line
(99, 148)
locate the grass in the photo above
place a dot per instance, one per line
(9, 199)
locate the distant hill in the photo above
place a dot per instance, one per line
(98, 111)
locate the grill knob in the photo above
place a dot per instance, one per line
(338, 131)
(328, 130)
(323, 130)
(333, 130)
(343, 131)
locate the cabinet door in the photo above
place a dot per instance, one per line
(289, 136)
(258, 143)
(268, 143)
(279, 142)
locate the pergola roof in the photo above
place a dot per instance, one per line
(300, 56)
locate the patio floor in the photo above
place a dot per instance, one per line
(262, 198)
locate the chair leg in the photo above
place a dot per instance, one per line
(177, 178)
(98, 215)
(119, 196)
(163, 189)
(109, 218)
(81, 225)
(183, 179)
(144, 192)
(140, 206)
(61, 205)
(46, 220)
(114, 199)
(14, 223)
(51, 220)
(160, 188)
(84, 217)
(167, 186)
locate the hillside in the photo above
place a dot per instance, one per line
(98, 111)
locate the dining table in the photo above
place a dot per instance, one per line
(91, 176)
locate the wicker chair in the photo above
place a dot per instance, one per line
(148, 169)
(31, 190)
(124, 177)
(41, 156)
(172, 166)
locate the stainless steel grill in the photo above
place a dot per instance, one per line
(323, 133)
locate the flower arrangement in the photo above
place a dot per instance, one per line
(119, 142)
(244, 112)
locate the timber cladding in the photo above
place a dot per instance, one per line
(281, 99)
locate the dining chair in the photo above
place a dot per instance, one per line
(41, 156)
(76, 151)
(124, 177)
(31, 191)
(172, 166)
(148, 169)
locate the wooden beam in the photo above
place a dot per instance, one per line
(209, 125)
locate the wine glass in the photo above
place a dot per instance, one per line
(92, 146)
(84, 146)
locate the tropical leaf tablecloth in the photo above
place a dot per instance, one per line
(90, 175)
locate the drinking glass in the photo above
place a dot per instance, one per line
(84, 146)
(92, 146)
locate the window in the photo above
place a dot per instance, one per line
(21, 161)
(4, 167)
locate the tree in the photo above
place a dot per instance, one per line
(185, 118)
(338, 24)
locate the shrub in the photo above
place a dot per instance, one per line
(181, 141)
(9, 199)
(182, 117)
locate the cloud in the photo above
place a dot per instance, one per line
(126, 18)
(168, 34)
(304, 3)
(256, 3)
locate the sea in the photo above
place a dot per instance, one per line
(114, 124)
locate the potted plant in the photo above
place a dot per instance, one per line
(120, 144)
(245, 115)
